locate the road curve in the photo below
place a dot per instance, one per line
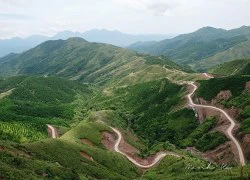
(156, 160)
(53, 131)
(231, 120)
(208, 75)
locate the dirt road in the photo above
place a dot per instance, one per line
(155, 161)
(231, 120)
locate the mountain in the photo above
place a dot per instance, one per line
(79, 59)
(236, 67)
(82, 116)
(17, 45)
(120, 39)
(239, 51)
(207, 44)
(63, 102)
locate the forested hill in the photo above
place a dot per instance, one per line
(203, 48)
(236, 67)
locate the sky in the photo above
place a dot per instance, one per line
(23, 18)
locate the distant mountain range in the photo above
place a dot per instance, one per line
(203, 48)
(17, 45)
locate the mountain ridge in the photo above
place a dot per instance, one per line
(17, 44)
(78, 59)
(195, 47)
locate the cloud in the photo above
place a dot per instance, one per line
(27, 17)
(160, 8)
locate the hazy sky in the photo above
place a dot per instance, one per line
(27, 17)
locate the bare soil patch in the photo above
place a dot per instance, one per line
(84, 154)
(223, 154)
(108, 140)
(2, 148)
(87, 142)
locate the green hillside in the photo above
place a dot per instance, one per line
(82, 89)
(240, 95)
(65, 158)
(239, 51)
(192, 168)
(35, 102)
(61, 158)
(237, 67)
(203, 48)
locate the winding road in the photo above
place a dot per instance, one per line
(231, 120)
(156, 160)
(208, 75)
(161, 155)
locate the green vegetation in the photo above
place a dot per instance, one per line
(210, 141)
(237, 67)
(209, 89)
(193, 168)
(245, 115)
(126, 90)
(239, 51)
(203, 48)
(202, 129)
(68, 152)
(240, 95)
(22, 132)
(245, 127)
(34, 103)
(164, 61)
(202, 139)
(18, 167)
(91, 131)
(156, 103)
(148, 103)
(78, 59)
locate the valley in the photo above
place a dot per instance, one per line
(72, 109)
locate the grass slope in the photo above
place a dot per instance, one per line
(237, 67)
(239, 51)
(203, 48)
(193, 168)
(35, 102)
(65, 153)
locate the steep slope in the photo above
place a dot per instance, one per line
(78, 59)
(236, 67)
(204, 43)
(69, 154)
(143, 102)
(231, 93)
